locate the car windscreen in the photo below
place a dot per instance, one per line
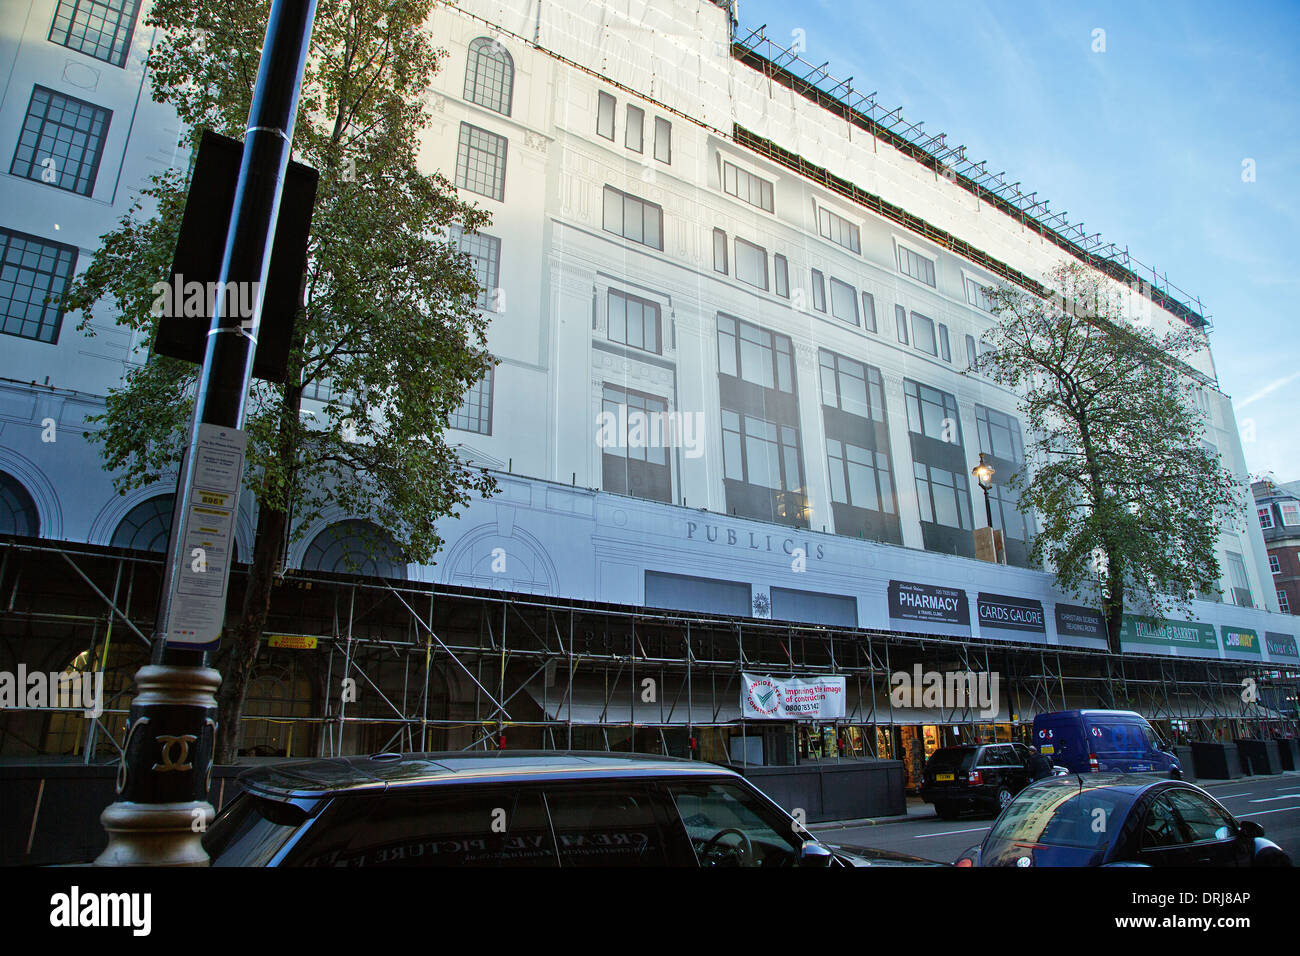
(1120, 738)
(949, 759)
(1064, 822)
(251, 830)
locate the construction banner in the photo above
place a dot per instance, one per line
(792, 698)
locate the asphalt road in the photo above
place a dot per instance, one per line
(1273, 802)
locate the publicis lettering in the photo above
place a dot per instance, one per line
(752, 540)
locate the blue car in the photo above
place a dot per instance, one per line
(1121, 820)
(1103, 741)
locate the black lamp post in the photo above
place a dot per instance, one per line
(983, 473)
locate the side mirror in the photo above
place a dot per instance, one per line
(1249, 828)
(813, 853)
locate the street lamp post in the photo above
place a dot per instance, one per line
(983, 473)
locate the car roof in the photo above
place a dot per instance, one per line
(1090, 713)
(1133, 783)
(332, 775)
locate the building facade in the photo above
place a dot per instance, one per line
(1277, 508)
(733, 314)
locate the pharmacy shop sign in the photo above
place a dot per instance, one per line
(791, 698)
(928, 609)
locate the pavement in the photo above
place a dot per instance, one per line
(918, 809)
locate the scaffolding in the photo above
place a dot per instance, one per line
(389, 665)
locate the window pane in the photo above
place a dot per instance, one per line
(98, 28)
(61, 141)
(900, 320)
(923, 333)
(33, 270)
(869, 311)
(481, 162)
(818, 291)
(751, 264)
(720, 251)
(945, 350)
(489, 75)
(663, 140)
(782, 276)
(844, 301)
(605, 116)
(633, 135)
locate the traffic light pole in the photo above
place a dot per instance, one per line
(162, 810)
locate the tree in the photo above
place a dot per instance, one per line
(1131, 498)
(389, 328)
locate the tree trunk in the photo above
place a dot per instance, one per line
(245, 637)
(1113, 604)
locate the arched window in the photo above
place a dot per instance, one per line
(355, 547)
(489, 75)
(18, 514)
(147, 526)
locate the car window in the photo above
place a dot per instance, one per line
(997, 757)
(1160, 827)
(729, 826)
(1120, 738)
(955, 759)
(432, 826)
(609, 826)
(1201, 819)
(250, 831)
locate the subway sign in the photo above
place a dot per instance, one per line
(1240, 640)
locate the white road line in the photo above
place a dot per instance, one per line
(923, 836)
(1260, 813)
(1287, 796)
(1244, 793)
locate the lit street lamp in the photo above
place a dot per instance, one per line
(983, 473)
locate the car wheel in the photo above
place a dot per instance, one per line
(946, 811)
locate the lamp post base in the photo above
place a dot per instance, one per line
(155, 834)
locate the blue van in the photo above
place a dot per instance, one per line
(1100, 741)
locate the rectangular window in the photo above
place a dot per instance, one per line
(605, 115)
(869, 311)
(1290, 513)
(663, 140)
(945, 350)
(859, 477)
(978, 295)
(818, 291)
(999, 434)
(755, 354)
(900, 321)
(915, 265)
(746, 187)
(634, 321)
(782, 276)
(719, 251)
(751, 264)
(923, 333)
(970, 351)
(931, 413)
(33, 271)
(475, 412)
(636, 463)
(839, 230)
(481, 162)
(1239, 583)
(485, 253)
(1265, 517)
(844, 301)
(1284, 605)
(943, 496)
(851, 386)
(760, 452)
(61, 141)
(634, 135)
(633, 218)
(98, 28)
(1274, 564)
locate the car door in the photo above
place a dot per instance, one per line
(1024, 773)
(1213, 835)
(729, 825)
(1161, 840)
(624, 823)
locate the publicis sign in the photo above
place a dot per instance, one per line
(1075, 624)
(1014, 616)
(1240, 640)
(1280, 645)
(791, 698)
(1142, 633)
(928, 609)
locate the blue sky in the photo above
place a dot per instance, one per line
(1143, 142)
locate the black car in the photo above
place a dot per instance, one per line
(1121, 820)
(978, 777)
(517, 808)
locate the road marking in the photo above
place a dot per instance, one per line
(1260, 813)
(1287, 796)
(923, 836)
(1244, 793)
